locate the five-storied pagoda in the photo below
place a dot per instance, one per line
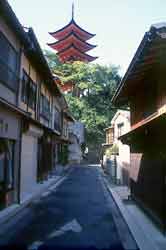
(71, 44)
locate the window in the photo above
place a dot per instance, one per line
(29, 91)
(57, 119)
(32, 94)
(8, 63)
(25, 83)
(120, 129)
(65, 129)
(110, 135)
(45, 107)
(6, 164)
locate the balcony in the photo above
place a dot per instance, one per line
(57, 126)
(110, 135)
(45, 115)
(109, 139)
(8, 77)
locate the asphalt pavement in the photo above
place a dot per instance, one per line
(76, 214)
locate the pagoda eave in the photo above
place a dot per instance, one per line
(62, 47)
(71, 39)
(73, 54)
(70, 27)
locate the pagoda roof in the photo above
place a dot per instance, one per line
(71, 38)
(72, 26)
(72, 53)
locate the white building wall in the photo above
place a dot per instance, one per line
(76, 134)
(28, 164)
(29, 161)
(123, 159)
(77, 128)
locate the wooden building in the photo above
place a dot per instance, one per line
(143, 88)
(33, 112)
(109, 134)
(117, 153)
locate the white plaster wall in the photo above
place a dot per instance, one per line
(76, 132)
(123, 158)
(75, 153)
(28, 165)
(77, 128)
(11, 120)
(121, 117)
(119, 167)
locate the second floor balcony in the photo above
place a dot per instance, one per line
(109, 135)
(57, 126)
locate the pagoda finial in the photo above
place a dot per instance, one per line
(72, 10)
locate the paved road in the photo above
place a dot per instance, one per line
(76, 214)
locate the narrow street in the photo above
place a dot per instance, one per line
(76, 214)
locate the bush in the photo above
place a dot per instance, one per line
(114, 150)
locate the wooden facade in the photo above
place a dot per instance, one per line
(31, 112)
(143, 88)
(109, 135)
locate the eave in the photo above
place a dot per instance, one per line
(130, 68)
(108, 128)
(107, 145)
(36, 55)
(71, 26)
(141, 128)
(68, 40)
(8, 14)
(29, 41)
(145, 60)
(26, 116)
(72, 53)
(69, 116)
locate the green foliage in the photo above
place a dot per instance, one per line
(96, 84)
(114, 150)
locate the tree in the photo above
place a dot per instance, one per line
(96, 84)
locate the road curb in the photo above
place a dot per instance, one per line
(136, 231)
(17, 212)
(125, 235)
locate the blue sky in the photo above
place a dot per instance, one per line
(119, 25)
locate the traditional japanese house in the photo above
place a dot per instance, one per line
(29, 124)
(11, 40)
(61, 119)
(109, 140)
(143, 89)
(116, 152)
(37, 90)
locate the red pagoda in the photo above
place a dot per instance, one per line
(71, 44)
